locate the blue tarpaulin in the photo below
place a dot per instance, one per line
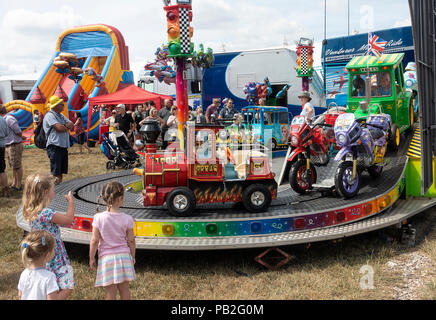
(84, 44)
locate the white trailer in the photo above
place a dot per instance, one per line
(233, 70)
(16, 87)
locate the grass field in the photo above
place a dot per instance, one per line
(327, 270)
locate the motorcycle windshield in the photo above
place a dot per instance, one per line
(344, 122)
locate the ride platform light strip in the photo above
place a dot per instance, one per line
(255, 227)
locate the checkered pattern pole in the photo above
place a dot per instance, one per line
(179, 31)
(305, 61)
(304, 65)
(185, 41)
(179, 47)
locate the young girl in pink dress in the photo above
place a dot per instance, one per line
(113, 238)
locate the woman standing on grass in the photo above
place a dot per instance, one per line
(80, 133)
(113, 238)
(37, 195)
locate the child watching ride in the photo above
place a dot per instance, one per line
(36, 282)
(37, 195)
(113, 238)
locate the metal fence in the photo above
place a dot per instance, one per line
(423, 24)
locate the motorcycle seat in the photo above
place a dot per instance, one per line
(376, 133)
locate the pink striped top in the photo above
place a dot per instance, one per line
(113, 229)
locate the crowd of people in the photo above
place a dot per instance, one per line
(57, 129)
(131, 121)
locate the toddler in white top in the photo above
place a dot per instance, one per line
(36, 282)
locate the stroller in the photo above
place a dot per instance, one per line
(117, 149)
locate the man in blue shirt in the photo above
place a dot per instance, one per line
(56, 127)
(4, 132)
(228, 112)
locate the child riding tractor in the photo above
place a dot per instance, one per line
(380, 81)
(206, 172)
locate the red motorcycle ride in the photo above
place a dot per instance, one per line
(310, 148)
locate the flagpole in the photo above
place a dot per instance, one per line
(325, 44)
(348, 18)
(368, 79)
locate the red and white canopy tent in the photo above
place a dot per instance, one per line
(129, 95)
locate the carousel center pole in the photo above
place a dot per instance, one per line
(182, 99)
(180, 48)
(305, 62)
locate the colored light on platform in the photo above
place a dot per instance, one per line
(384, 202)
(388, 200)
(340, 216)
(368, 208)
(212, 229)
(256, 227)
(86, 225)
(299, 223)
(168, 229)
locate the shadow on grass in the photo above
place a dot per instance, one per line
(9, 280)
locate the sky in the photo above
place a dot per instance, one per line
(29, 28)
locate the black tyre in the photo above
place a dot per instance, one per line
(256, 198)
(110, 165)
(411, 115)
(181, 202)
(394, 138)
(273, 144)
(344, 184)
(300, 179)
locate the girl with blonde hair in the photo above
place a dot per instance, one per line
(36, 282)
(113, 238)
(37, 195)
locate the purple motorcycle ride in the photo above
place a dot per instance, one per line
(363, 145)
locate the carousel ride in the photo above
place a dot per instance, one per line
(199, 194)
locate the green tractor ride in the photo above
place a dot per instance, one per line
(376, 84)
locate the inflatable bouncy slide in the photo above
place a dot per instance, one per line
(89, 61)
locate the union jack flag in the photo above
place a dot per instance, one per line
(376, 45)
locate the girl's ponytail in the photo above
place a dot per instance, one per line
(35, 194)
(36, 245)
(110, 193)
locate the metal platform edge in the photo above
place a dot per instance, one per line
(146, 230)
(400, 211)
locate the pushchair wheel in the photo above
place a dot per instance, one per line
(110, 165)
